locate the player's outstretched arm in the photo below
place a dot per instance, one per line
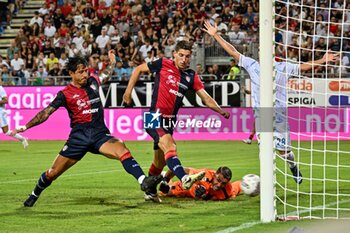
(230, 49)
(327, 57)
(106, 75)
(133, 79)
(38, 119)
(211, 103)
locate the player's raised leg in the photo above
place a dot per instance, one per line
(116, 149)
(7, 132)
(167, 144)
(60, 165)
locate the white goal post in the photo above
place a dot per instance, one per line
(316, 99)
(267, 176)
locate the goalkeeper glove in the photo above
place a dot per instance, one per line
(200, 192)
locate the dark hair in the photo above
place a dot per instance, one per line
(226, 172)
(73, 63)
(183, 45)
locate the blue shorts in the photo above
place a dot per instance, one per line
(158, 133)
(84, 139)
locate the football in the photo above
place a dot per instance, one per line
(250, 185)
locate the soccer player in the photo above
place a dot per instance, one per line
(215, 185)
(89, 133)
(173, 79)
(3, 118)
(284, 71)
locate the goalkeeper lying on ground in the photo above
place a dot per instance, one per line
(214, 186)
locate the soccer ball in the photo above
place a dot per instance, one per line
(250, 185)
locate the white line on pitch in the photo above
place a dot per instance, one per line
(251, 224)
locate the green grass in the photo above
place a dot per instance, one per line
(96, 195)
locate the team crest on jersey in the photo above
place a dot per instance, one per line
(81, 104)
(188, 79)
(171, 80)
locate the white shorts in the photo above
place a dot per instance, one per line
(281, 134)
(3, 119)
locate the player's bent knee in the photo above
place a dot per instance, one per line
(51, 174)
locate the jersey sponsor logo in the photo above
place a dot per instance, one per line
(89, 111)
(342, 85)
(303, 100)
(339, 100)
(178, 94)
(300, 85)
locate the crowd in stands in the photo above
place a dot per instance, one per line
(142, 31)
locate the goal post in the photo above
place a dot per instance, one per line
(266, 154)
(315, 100)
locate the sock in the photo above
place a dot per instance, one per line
(290, 157)
(154, 171)
(251, 137)
(17, 136)
(132, 167)
(42, 184)
(174, 164)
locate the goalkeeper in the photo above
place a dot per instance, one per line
(284, 70)
(214, 186)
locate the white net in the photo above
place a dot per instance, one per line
(316, 101)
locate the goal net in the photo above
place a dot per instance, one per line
(316, 101)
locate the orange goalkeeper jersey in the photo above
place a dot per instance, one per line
(230, 190)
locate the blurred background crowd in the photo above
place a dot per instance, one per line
(142, 31)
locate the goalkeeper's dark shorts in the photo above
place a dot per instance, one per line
(158, 133)
(85, 139)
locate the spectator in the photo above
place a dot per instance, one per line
(103, 40)
(17, 66)
(55, 71)
(39, 77)
(73, 51)
(78, 40)
(27, 30)
(125, 40)
(3, 62)
(119, 70)
(66, 8)
(36, 19)
(234, 70)
(199, 69)
(236, 36)
(44, 10)
(51, 61)
(131, 51)
(12, 50)
(48, 49)
(145, 48)
(49, 30)
(85, 50)
(6, 76)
